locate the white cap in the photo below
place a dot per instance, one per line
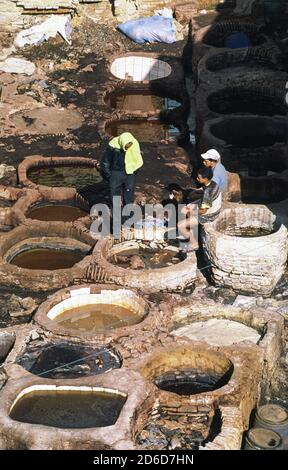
(211, 154)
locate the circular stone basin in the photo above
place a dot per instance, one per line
(47, 254)
(66, 360)
(68, 406)
(251, 133)
(218, 332)
(140, 69)
(240, 225)
(56, 175)
(135, 100)
(56, 212)
(191, 382)
(188, 372)
(250, 99)
(152, 130)
(234, 61)
(99, 313)
(46, 121)
(216, 34)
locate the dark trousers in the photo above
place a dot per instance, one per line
(122, 184)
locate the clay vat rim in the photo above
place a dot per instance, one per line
(42, 319)
(9, 255)
(204, 63)
(211, 226)
(129, 89)
(60, 229)
(209, 123)
(68, 344)
(35, 161)
(201, 349)
(50, 387)
(97, 250)
(200, 34)
(33, 198)
(129, 382)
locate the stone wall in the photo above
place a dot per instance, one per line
(247, 263)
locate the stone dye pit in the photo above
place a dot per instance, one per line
(55, 212)
(185, 372)
(46, 254)
(191, 382)
(230, 65)
(65, 360)
(145, 129)
(222, 377)
(225, 325)
(218, 332)
(68, 407)
(135, 101)
(142, 255)
(247, 132)
(250, 99)
(187, 415)
(138, 101)
(64, 176)
(76, 172)
(95, 318)
(92, 311)
(51, 205)
(237, 243)
(85, 413)
(137, 272)
(258, 95)
(140, 69)
(214, 36)
(250, 146)
(43, 255)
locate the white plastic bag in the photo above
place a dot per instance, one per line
(43, 31)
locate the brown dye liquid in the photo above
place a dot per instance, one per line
(65, 176)
(48, 259)
(69, 409)
(98, 317)
(148, 259)
(135, 101)
(142, 130)
(56, 212)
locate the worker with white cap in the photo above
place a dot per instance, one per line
(211, 159)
